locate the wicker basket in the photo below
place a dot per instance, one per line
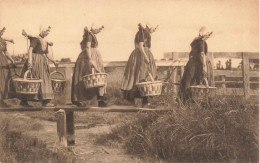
(200, 92)
(95, 79)
(27, 85)
(151, 88)
(58, 85)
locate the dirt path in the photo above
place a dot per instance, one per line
(84, 150)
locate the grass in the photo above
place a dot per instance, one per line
(224, 130)
(17, 146)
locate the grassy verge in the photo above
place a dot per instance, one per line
(17, 146)
(227, 130)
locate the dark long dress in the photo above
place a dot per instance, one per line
(6, 87)
(137, 69)
(82, 68)
(40, 70)
(193, 73)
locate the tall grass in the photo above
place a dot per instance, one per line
(17, 146)
(224, 130)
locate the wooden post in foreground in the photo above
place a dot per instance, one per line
(65, 127)
(61, 127)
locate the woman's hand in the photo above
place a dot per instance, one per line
(55, 63)
(50, 43)
(146, 59)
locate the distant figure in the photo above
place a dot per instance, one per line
(218, 65)
(228, 64)
(89, 58)
(199, 69)
(140, 63)
(37, 63)
(6, 87)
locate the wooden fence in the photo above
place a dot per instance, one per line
(172, 69)
(243, 81)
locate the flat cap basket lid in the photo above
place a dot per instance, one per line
(95, 79)
(27, 85)
(58, 85)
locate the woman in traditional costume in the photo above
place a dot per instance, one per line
(198, 70)
(37, 63)
(89, 58)
(6, 87)
(140, 64)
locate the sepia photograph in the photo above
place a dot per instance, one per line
(135, 81)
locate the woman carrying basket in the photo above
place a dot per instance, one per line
(37, 63)
(140, 64)
(89, 59)
(6, 87)
(199, 69)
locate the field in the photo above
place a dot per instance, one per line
(225, 129)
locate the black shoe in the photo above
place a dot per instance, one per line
(25, 104)
(102, 104)
(79, 104)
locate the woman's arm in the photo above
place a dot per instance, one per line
(30, 57)
(88, 52)
(8, 40)
(9, 57)
(141, 47)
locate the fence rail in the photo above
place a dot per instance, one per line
(245, 73)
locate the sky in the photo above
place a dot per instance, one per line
(235, 24)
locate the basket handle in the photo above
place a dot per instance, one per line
(58, 72)
(151, 77)
(26, 73)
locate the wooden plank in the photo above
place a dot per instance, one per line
(181, 72)
(253, 73)
(245, 73)
(115, 64)
(112, 108)
(223, 81)
(228, 73)
(230, 91)
(175, 78)
(234, 73)
(254, 92)
(227, 54)
(61, 127)
(252, 55)
(171, 63)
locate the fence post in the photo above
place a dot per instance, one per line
(61, 127)
(182, 71)
(68, 76)
(174, 75)
(223, 84)
(245, 72)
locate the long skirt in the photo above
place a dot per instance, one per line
(82, 67)
(192, 76)
(6, 84)
(137, 70)
(40, 70)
